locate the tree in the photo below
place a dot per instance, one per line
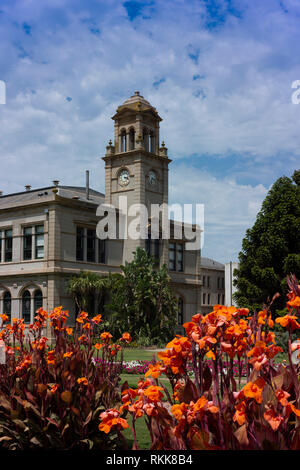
(88, 290)
(142, 301)
(271, 248)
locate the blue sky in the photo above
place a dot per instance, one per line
(218, 71)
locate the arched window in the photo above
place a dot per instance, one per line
(37, 301)
(146, 140)
(7, 304)
(131, 139)
(123, 141)
(180, 311)
(26, 306)
(152, 142)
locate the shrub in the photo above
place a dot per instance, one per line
(215, 408)
(52, 398)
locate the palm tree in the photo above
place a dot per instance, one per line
(87, 288)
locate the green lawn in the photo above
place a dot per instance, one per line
(142, 434)
(135, 354)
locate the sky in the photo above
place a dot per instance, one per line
(219, 72)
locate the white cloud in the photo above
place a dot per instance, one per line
(239, 102)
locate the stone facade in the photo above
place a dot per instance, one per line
(213, 284)
(49, 234)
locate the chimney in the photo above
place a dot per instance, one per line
(28, 187)
(55, 182)
(87, 184)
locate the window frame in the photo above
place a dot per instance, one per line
(176, 261)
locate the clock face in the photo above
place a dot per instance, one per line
(124, 177)
(152, 177)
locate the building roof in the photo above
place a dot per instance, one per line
(34, 196)
(211, 263)
(136, 98)
(136, 103)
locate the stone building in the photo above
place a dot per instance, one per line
(49, 234)
(230, 288)
(213, 284)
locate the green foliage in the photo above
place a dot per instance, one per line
(142, 301)
(270, 249)
(85, 288)
(43, 403)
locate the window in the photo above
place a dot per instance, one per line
(180, 311)
(219, 299)
(123, 141)
(146, 140)
(27, 243)
(179, 248)
(26, 306)
(223, 299)
(208, 281)
(37, 301)
(33, 242)
(208, 299)
(204, 299)
(204, 281)
(8, 245)
(152, 142)
(102, 251)
(91, 246)
(131, 139)
(39, 241)
(172, 259)
(7, 304)
(176, 257)
(153, 247)
(79, 243)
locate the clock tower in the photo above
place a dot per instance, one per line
(136, 166)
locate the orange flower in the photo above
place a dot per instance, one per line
(110, 419)
(69, 331)
(179, 344)
(82, 317)
(68, 354)
(51, 357)
(97, 319)
(282, 397)
(211, 355)
(53, 388)
(105, 336)
(240, 414)
(289, 322)
(203, 404)
(290, 408)
(153, 370)
(295, 302)
(4, 317)
(273, 419)
(154, 393)
(179, 410)
(254, 389)
(126, 337)
(83, 339)
(83, 381)
(98, 346)
(24, 364)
